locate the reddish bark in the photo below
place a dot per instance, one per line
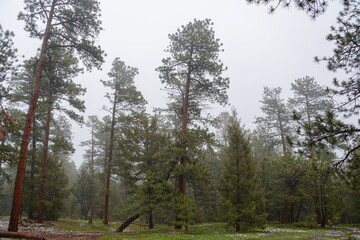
(288, 201)
(181, 180)
(44, 166)
(19, 180)
(20, 235)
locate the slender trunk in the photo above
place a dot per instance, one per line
(298, 212)
(32, 174)
(283, 140)
(181, 181)
(92, 187)
(104, 180)
(312, 147)
(19, 180)
(44, 164)
(108, 172)
(128, 222)
(151, 221)
(288, 201)
(323, 216)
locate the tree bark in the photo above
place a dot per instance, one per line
(108, 172)
(151, 220)
(5, 234)
(283, 140)
(288, 201)
(181, 181)
(128, 222)
(32, 174)
(44, 163)
(92, 195)
(19, 180)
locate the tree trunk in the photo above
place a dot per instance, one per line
(92, 187)
(151, 220)
(4, 234)
(298, 212)
(283, 140)
(288, 201)
(19, 180)
(128, 222)
(323, 217)
(44, 164)
(32, 174)
(181, 181)
(108, 172)
(237, 227)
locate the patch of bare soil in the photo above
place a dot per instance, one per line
(49, 232)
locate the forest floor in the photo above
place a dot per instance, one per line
(79, 229)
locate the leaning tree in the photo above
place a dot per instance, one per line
(74, 24)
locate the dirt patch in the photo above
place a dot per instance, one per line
(49, 232)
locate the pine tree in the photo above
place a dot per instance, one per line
(193, 75)
(75, 25)
(125, 98)
(274, 126)
(241, 197)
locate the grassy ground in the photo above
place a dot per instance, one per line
(219, 231)
(74, 229)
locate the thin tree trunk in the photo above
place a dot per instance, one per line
(44, 164)
(19, 180)
(92, 187)
(151, 220)
(288, 201)
(108, 172)
(128, 222)
(299, 212)
(181, 182)
(32, 174)
(283, 140)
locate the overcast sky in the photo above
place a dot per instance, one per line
(261, 49)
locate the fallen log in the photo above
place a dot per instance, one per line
(6, 234)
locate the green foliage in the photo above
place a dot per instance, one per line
(345, 57)
(186, 208)
(75, 25)
(7, 56)
(194, 58)
(274, 126)
(241, 196)
(312, 7)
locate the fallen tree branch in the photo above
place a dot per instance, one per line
(5, 234)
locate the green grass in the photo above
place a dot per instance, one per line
(206, 231)
(218, 231)
(83, 226)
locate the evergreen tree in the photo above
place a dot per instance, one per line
(7, 121)
(193, 75)
(346, 56)
(125, 98)
(74, 24)
(274, 126)
(242, 199)
(309, 102)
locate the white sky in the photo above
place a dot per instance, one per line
(261, 49)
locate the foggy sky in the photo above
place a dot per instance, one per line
(260, 49)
